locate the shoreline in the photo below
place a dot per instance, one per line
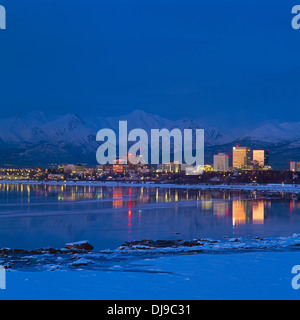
(242, 276)
(269, 188)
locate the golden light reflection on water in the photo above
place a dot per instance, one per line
(258, 212)
(238, 212)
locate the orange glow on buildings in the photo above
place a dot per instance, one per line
(240, 157)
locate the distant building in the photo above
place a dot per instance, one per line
(56, 176)
(194, 170)
(241, 157)
(89, 173)
(208, 168)
(71, 168)
(147, 168)
(295, 166)
(261, 157)
(108, 169)
(118, 166)
(99, 168)
(221, 162)
(169, 167)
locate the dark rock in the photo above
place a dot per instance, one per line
(82, 245)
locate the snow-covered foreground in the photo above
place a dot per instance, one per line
(255, 275)
(240, 268)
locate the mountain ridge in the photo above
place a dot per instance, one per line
(44, 138)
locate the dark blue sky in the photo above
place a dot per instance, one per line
(234, 61)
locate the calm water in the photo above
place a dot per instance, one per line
(34, 216)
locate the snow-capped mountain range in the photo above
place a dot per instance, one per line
(41, 138)
(37, 127)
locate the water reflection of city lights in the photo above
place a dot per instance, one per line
(258, 215)
(117, 198)
(129, 218)
(230, 208)
(238, 212)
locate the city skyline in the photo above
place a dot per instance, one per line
(149, 149)
(40, 139)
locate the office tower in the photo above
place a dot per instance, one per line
(169, 167)
(118, 166)
(240, 156)
(295, 166)
(261, 157)
(221, 162)
(71, 168)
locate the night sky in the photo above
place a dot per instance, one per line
(227, 61)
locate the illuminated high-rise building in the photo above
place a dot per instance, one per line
(240, 156)
(295, 166)
(169, 167)
(118, 166)
(71, 168)
(221, 162)
(261, 157)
